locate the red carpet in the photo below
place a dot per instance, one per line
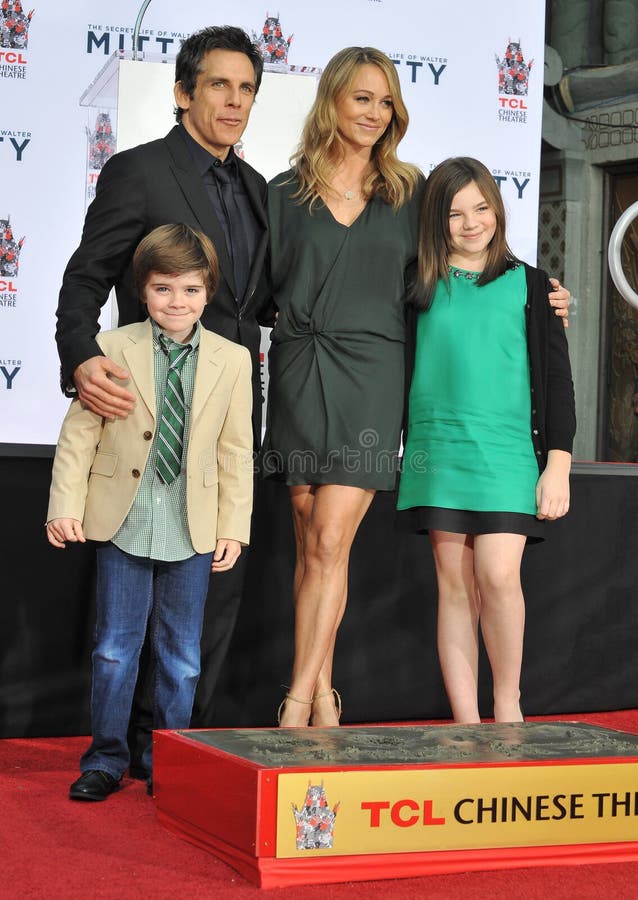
(53, 848)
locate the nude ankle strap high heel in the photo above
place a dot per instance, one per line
(337, 697)
(295, 700)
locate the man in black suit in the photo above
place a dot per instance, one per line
(191, 176)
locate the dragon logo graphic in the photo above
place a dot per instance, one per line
(101, 141)
(315, 820)
(14, 25)
(271, 42)
(513, 71)
(9, 250)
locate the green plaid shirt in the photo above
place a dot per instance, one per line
(156, 525)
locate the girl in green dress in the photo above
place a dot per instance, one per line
(490, 427)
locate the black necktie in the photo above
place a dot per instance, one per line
(239, 243)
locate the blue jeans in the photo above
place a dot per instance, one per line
(133, 592)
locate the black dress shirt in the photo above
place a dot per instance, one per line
(231, 205)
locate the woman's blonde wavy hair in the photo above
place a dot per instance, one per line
(322, 147)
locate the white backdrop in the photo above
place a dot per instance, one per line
(58, 122)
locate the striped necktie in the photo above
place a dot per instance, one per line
(170, 440)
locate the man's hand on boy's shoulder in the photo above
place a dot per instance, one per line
(226, 555)
(98, 392)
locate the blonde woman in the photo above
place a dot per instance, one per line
(344, 226)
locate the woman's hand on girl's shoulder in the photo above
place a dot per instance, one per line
(560, 298)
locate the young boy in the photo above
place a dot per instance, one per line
(158, 512)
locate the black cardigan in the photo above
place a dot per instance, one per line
(553, 407)
(553, 414)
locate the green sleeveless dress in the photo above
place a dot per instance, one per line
(469, 444)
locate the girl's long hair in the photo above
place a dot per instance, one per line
(322, 148)
(443, 183)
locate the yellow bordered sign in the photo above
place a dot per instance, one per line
(459, 808)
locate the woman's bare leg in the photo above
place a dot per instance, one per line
(497, 566)
(458, 616)
(324, 710)
(325, 541)
(302, 499)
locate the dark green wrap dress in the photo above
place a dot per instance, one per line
(336, 363)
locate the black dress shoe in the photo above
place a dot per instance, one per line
(138, 772)
(93, 785)
(149, 785)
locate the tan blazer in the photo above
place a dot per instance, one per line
(98, 464)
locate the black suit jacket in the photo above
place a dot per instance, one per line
(150, 185)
